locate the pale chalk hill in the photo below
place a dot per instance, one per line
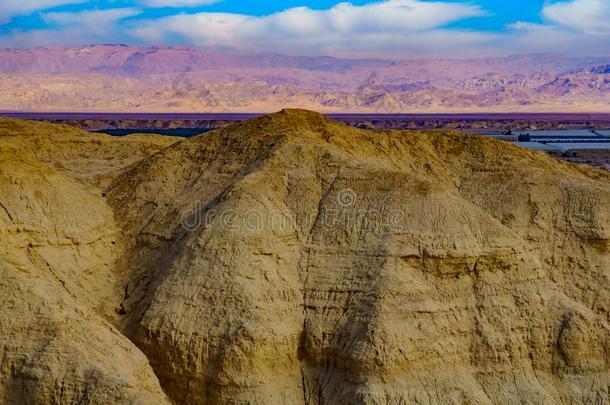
(59, 281)
(292, 259)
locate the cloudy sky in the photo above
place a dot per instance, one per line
(386, 28)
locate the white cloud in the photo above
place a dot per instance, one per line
(396, 28)
(177, 3)
(85, 27)
(92, 18)
(553, 38)
(387, 25)
(588, 16)
(387, 28)
(576, 27)
(12, 8)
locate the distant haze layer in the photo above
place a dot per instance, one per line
(181, 79)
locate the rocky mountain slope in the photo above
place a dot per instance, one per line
(292, 259)
(126, 78)
(59, 280)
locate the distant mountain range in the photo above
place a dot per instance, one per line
(129, 78)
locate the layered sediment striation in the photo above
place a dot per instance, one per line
(292, 259)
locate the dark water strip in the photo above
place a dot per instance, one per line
(183, 132)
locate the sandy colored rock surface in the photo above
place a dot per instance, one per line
(59, 281)
(292, 259)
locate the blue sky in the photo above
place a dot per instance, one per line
(386, 28)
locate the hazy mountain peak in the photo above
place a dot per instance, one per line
(179, 78)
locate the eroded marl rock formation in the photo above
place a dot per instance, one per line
(59, 281)
(292, 259)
